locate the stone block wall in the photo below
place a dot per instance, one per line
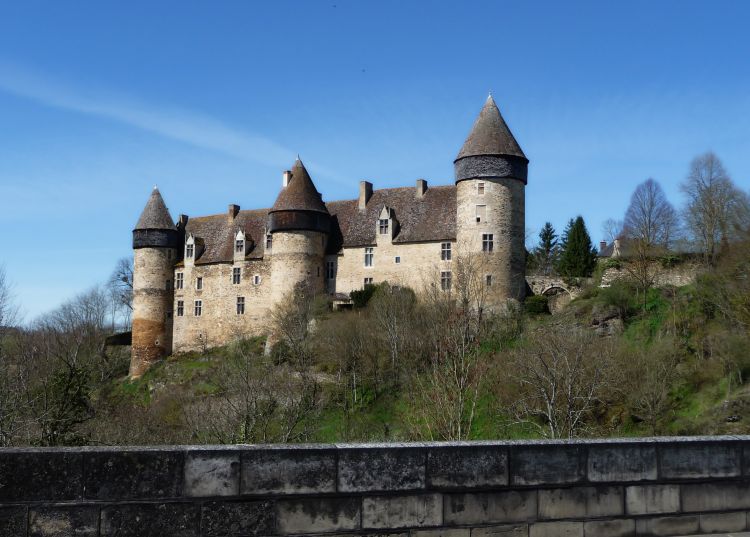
(608, 488)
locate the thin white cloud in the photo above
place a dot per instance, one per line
(185, 126)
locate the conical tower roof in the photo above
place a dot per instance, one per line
(155, 215)
(490, 135)
(300, 194)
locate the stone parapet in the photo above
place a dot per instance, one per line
(593, 488)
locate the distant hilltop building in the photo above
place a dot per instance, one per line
(206, 280)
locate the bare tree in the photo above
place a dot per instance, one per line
(392, 308)
(120, 287)
(8, 309)
(716, 210)
(650, 217)
(560, 377)
(612, 229)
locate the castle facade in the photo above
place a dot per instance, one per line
(206, 280)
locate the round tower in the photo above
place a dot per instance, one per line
(491, 171)
(154, 255)
(299, 223)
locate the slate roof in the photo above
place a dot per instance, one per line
(490, 135)
(300, 194)
(429, 218)
(155, 215)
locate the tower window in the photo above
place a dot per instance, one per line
(397, 260)
(178, 280)
(383, 226)
(256, 279)
(480, 189)
(488, 280)
(445, 280)
(180, 308)
(368, 281)
(330, 270)
(198, 308)
(199, 283)
(269, 241)
(189, 250)
(481, 213)
(240, 305)
(488, 242)
(168, 285)
(239, 246)
(445, 251)
(236, 275)
(369, 255)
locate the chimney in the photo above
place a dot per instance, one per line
(182, 221)
(602, 246)
(285, 178)
(232, 211)
(365, 193)
(421, 187)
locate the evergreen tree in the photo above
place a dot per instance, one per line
(546, 251)
(577, 254)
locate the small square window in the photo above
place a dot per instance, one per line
(445, 251)
(397, 259)
(256, 279)
(445, 280)
(488, 280)
(199, 283)
(180, 308)
(368, 281)
(240, 305)
(236, 275)
(198, 308)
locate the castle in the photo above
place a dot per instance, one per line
(205, 280)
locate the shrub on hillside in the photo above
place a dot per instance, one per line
(361, 297)
(619, 295)
(536, 304)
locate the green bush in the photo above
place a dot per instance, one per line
(361, 297)
(536, 304)
(620, 295)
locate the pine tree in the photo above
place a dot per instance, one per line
(547, 250)
(577, 254)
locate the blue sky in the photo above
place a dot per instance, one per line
(99, 101)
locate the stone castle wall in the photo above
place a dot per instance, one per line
(592, 488)
(152, 297)
(684, 273)
(219, 322)
(505, 219)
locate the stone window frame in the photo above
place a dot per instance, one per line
(481, 212)
(383, 226)
(368, 281)
(198, 308)
(446, 280)
(180, 308)
(397, 259)
(481, 188)
(330, 270)
(236, 275)
(488, 280)
(257, 279)
(239, 246)
(199, 283)
(189, 251)
(369, 257)
(179, 280)
(446, 251)
(240, 305)
(488, 242)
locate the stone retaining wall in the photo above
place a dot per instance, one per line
(663, 486)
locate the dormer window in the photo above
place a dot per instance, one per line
(239, 246)
(189, 249)
(383, 226)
